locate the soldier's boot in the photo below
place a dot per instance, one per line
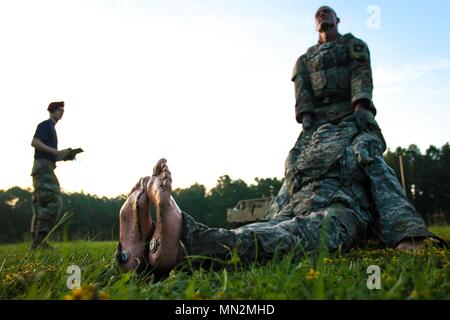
(34, 243)
(165, 250)
(420, 243)
(39, 241)
(136, 228)
(411, 246)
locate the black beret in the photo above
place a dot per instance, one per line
(55, 105)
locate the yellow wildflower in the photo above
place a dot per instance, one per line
(440, 252)
(425, 294)
(89, 292)
(103, 295)
(312, 274)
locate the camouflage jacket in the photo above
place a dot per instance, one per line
(330, 77)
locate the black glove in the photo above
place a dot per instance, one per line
(365, 120)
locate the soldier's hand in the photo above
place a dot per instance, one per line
(70, 157)
(363, 119)
(65, 154)
(307, 121)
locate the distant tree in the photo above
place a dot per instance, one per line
(193, 201)
(93, 217)
(443, 182)
(266, 187)
(427, 178)
(224, 195)
(15, 214)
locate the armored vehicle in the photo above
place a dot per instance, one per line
(247, 211)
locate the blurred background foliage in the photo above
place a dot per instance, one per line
(427, 178)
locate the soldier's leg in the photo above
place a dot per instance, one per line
(136, 228)
(278, 209)
(46, 204)
(159, 244)
(213, 245)
(338, 226)
(47, 209)
(398, 218)
(178, 235)
(291, 173)
(166, 247)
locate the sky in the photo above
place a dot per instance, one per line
(202, 83)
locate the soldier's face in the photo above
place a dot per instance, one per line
(58, 113)
(325, 19)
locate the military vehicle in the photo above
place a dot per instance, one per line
(247, 211)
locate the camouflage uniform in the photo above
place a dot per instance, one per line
(46, 200)
(337, 185)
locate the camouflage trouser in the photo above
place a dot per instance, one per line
(396, 218)
(344, 189)
(363, 123)
(46, 199)
(334, 227)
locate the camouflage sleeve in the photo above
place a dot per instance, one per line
(361, 73)
(303, 99)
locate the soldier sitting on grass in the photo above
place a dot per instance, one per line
(337, 185)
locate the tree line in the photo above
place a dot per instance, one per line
(427, 178)
(97, 218)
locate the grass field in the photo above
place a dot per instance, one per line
(43, 275)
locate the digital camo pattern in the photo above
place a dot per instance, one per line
(345, 191)
(46, 200)
(330, 77)
(338, 190)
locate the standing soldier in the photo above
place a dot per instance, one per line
(46, 200)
